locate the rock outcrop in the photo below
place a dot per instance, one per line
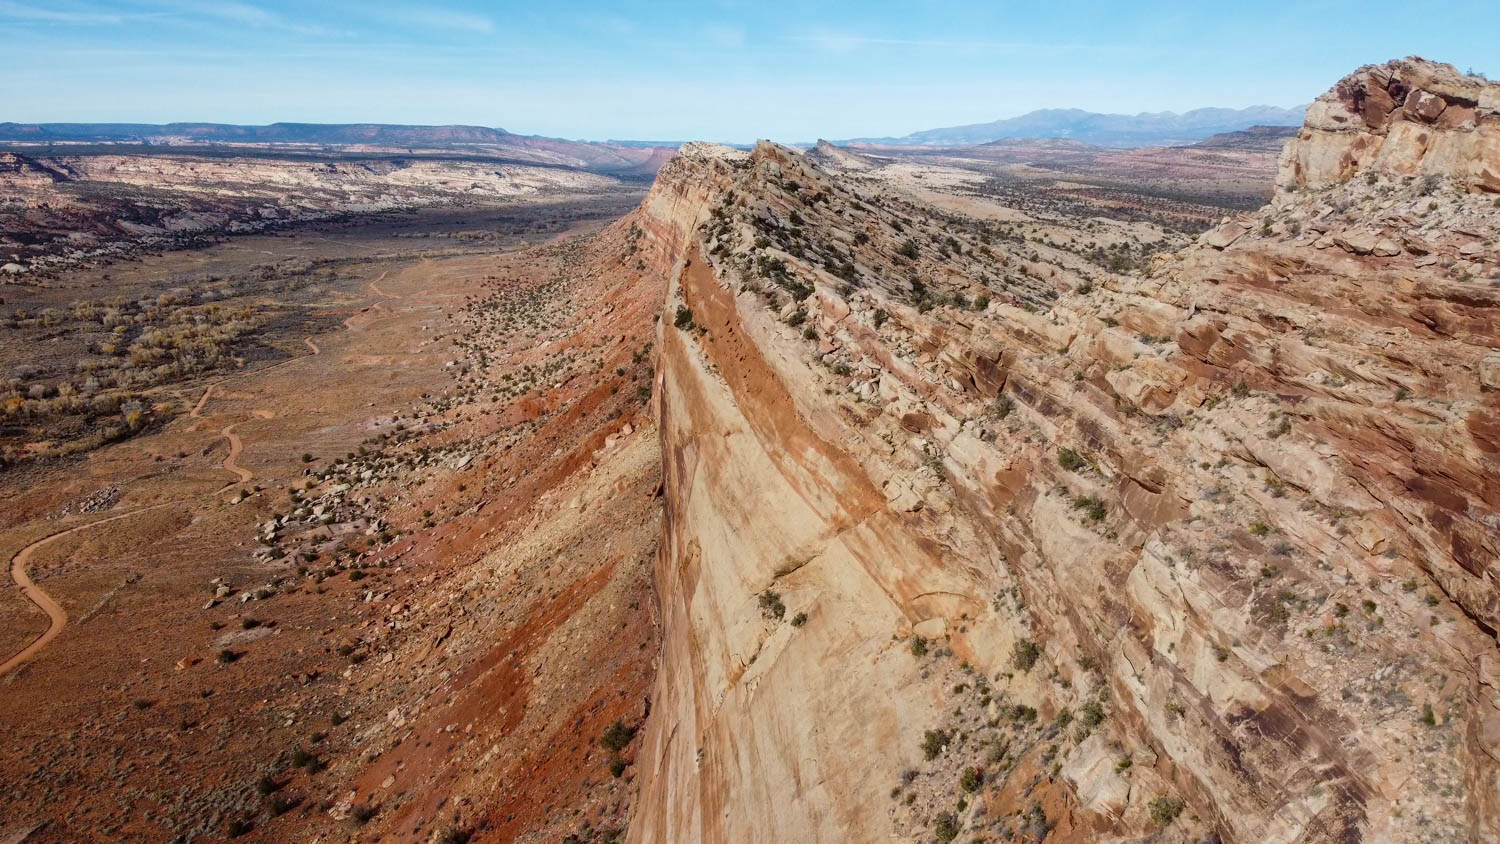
(1406, 117)
(956, 541)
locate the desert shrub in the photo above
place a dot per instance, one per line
(1164, 810)
(971, 780)
(1070, 460)
(933, 742)
(1091, 714)
(684, 318)
(616, 736)
(945, 827)
(771, 605)
(1092, 507)
(1024, 654)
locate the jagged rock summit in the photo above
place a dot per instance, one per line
(1409, 116)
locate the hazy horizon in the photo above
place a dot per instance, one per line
(722, 71)
(522, 132)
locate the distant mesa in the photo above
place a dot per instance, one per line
(618, 159)
(275, 133)
(1257, 138)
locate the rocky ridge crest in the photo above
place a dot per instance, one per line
(1205, 549)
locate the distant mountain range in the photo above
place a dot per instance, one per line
(637, 159)
(1109, 130)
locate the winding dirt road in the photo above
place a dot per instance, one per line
(197, 411)
(56, 616)
(379, 292)
(236, 445)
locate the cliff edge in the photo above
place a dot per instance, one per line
(957, 540)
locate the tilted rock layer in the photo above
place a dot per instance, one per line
(956, 541)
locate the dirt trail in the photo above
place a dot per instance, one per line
(379, 292)
(377, 305)
(55, 613)
(197, 411)
(236, 445)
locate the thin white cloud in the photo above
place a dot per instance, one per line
(246, 14)
(82, 17)
(433, 18)
(833, 42)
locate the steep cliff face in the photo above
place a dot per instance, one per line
(956, 539)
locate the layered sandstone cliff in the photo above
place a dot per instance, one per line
(958, 540)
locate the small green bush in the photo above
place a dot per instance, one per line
(771, 605)
(933, 742)
(1092, 507)
(945, 827)
(616, 736)
(1070, 460)
(1024, 654)
(971, 780)
(1164, 810)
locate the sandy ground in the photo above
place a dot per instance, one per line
(135, 703)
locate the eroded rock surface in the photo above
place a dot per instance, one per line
(1410, 116)
(957, 541)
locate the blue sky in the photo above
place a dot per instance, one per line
(713, 69)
